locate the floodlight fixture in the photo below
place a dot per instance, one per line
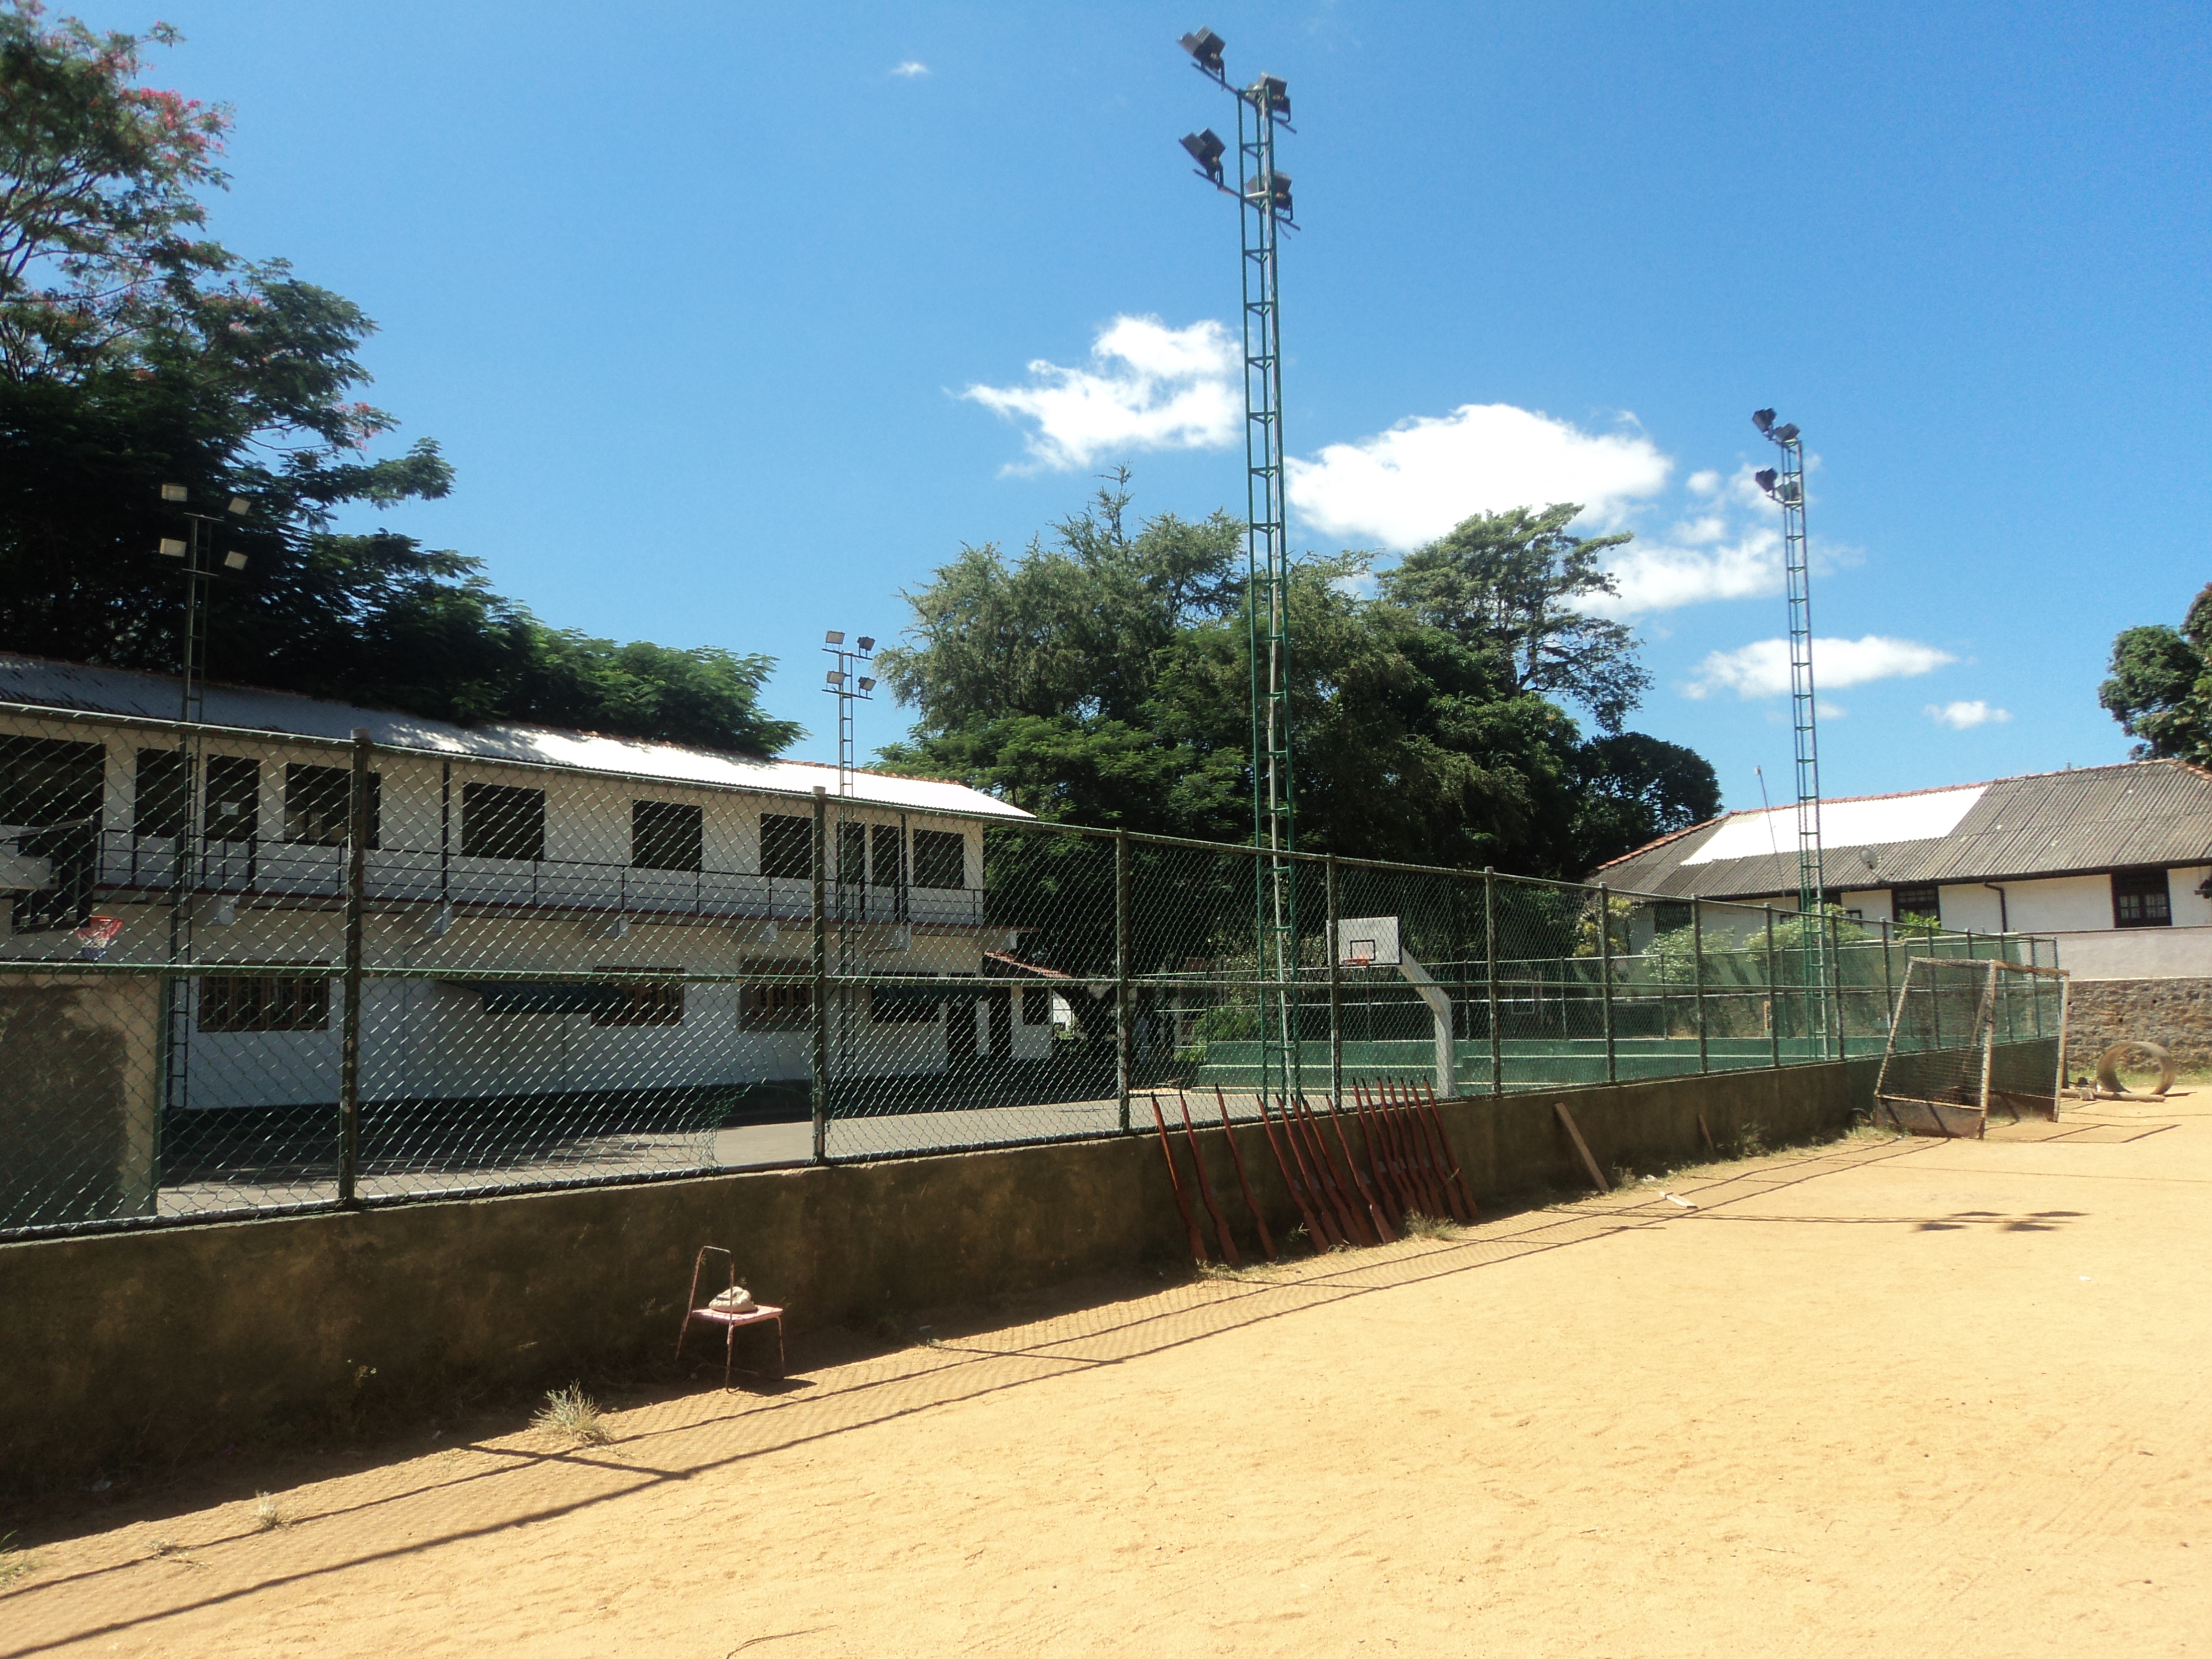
(1784, 434)
(1763, 419)
(1274, 189)
(1276, 92)
(233, 560)
(171, 548)
(865, 643)
(835, 636)
(1765, 478)
(866, 684)
(172, 492)
(835, 676)
(1207, 150)
(239, 506)
(1206, 48)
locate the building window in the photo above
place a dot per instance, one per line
(852, 853)
(319, 803)
(1037, 1006)
(787, 1006)
(233, 798)
(655, 1003)
(2140, 899)
(1915, 904)
(667, 834)
(500, 821)
(157, 799)
(894, 1005)
(940, 859)
(47, 782)
(240, 1002)
(888, 855)
(787, 846)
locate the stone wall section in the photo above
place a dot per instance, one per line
(2176, 1012)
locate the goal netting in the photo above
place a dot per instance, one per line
(1969, 1038)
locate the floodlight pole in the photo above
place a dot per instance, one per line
(1786, 484)
(1264, 210)
(842, 684)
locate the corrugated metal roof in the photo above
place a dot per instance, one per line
(2048, 823)
(48, 684)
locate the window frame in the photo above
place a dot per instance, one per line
(2152, 886)
(273, 1003)
(473, 846)
(930, 853)
(775, 849)
(302, 778)
(695, 837)
(647, 1002)
(786, 1006)
(1899, 913)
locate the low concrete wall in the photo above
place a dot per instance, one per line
(126, 1347)
(80, 1069)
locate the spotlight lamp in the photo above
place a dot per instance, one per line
(172, 492)
(835, 636)
(233, 560)
(1763, 419)
(1206, 48)
(866, 684)
(172, 547)
(1207, 150)
(1784, 435)
(835, 676)
(1276, 92)
(866, 644)
(239, 506)
(1765, 478)
(1274, 189)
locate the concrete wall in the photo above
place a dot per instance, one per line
(133, 1347)
(80, 1068)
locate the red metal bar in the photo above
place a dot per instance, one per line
(1378, 1161)
(1244, 1180)
(1456, 1181)
(1206, 1188)
(1378, 1132)
(1182, 1205)
(1355, 1229)
(1384, 1233)
(1293, 1170)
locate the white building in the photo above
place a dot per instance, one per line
(2115, 862)
(495, 854)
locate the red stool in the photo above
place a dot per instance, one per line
(758, 1314)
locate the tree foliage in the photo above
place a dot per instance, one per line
(134, 351)
(1103, 677)
(2161, 685)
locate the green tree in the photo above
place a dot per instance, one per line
(134, 351)
(1513, 585)
(2161, 685)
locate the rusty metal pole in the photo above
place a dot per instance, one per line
(1697, 970)
(820, 1056)
(1121, 993)
(1605, 979)
(1773, 1007)
(1490, 958)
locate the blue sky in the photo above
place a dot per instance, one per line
(694, 296)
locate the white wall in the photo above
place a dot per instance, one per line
(2137, 953)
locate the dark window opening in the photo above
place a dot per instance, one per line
(500, 821)
(787, 1006)
(658, 1002)
(940, 859)
(667, 834)
(852, 854)
(892, 1005)
(52, 788)
(1922, 903)
(157, 795)
(1666, 918)
(2140, 899)
(318, 804)
(1036, 1007)
(787, 846)
(889, 856)
(237, 1002)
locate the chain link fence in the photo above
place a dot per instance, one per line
(246, 972)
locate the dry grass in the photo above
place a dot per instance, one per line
(271, 1511)
(574, 1415)
(1430, 1227)
(14, 1564)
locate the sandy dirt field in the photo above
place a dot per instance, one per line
(1894, 1398)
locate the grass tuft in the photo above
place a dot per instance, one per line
(1430, 1227)
(572, 1415)
(14, 1564)
(271, 1511)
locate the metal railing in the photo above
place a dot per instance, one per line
(197, 1024)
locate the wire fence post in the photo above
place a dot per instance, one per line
(1888, 983)
(820, 1067)
(1331, 909)
(357, 830)
(1490, 961)
(1604, 978)
(1773, 1006)
(1697, 972)
(1122, 1013)
(1836, 978)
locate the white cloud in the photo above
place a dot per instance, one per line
(1151, 387)
(1704, 482)
(1965, 716)
(1663, 577)
(910, 69)
(1413, 483)
(1762, 668)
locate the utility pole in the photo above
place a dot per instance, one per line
(1263, 196)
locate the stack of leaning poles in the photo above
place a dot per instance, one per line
(1401, 1171)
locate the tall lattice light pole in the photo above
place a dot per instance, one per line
(1786, 484)
(1263, 196)
(848, 685)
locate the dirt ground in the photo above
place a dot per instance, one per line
(1882, 1397)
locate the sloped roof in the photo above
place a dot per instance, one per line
(2048, 823)
(44, 683)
